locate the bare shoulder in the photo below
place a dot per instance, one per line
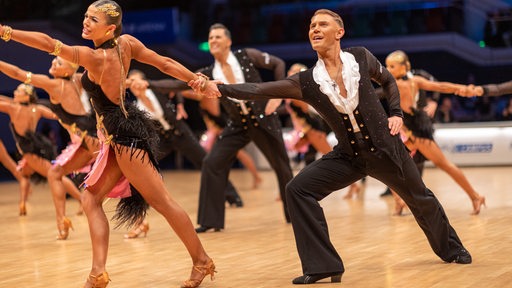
(129, 40)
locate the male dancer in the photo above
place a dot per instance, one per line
(340, 88)
(248, 121)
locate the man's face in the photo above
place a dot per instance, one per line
(324, 32)
(218, 41)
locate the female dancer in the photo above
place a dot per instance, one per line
(126, 132)
(64, 92)
(35, 148)
(417, 126)
(25, 187)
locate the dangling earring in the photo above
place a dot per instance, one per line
(66, 74)
(108, 32)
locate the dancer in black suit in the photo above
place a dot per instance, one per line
(340, 89)
(253, 120)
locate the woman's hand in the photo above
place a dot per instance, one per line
(203, 86)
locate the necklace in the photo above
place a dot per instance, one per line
(337, 75)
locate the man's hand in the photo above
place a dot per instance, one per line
(395, 124)
(137, 84)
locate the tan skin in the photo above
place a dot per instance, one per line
(10, 164)
(25, 187)
(67, 94)
(145, 178)
(408, 88)
(25, 118)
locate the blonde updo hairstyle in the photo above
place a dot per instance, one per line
(400, 57)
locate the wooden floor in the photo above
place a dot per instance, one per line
(257, 248)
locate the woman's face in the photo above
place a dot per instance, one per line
(397, 69)
(95, 24)
(60, 68)
(20, 94)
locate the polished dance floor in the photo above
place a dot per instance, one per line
(257, 248)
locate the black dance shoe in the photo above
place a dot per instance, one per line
(310, 279)
(234, 201)
(462, 257)
(202, 229)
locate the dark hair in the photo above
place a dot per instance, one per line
(221, 26)
(336, 16)
(113, 12)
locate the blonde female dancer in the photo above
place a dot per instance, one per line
(417, 127)
(35, 148)
(127, 148)
(64, 90)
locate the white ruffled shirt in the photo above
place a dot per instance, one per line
(351, 77)
(158, 113)
(217, 74)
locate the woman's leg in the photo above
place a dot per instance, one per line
(148, 181)
(92, 202)
(25, 187)
(59, 182)
(248, 163)
(43, 166)
(432, 152)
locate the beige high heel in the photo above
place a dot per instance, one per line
(399, 208)
(64, 232)
(142, 228)
(98, 281)
(477, 205)
(399, 204)
(23, 209)
(208, 269)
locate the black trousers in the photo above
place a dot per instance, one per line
(331, 173)
(217, 164)
(182, 139)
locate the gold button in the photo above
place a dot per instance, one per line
(345, 118)
(372, 149)
(357, 112)
(361, 125)
(349, 129)
(366, 137)
(256, 124)
(243, 120)
(352, 142)
(356, 153)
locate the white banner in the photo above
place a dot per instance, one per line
(476, 144)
